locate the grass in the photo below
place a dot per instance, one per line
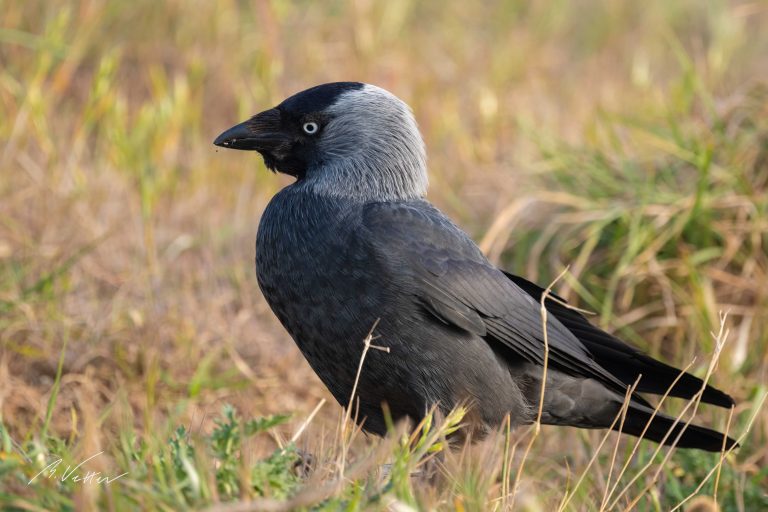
(625, 141)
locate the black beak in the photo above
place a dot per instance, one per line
(260, 133)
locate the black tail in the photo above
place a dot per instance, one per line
(694, 436)
(626, 363)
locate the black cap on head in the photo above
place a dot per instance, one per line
(318, 98)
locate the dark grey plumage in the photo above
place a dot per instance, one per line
(353, 241)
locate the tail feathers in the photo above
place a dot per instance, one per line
(693, 436)
(625, 362)
(658, 378)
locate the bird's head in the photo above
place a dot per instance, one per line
(342, 139)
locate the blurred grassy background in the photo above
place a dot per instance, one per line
(628, 140)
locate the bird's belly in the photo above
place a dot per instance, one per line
(426, 363)
(328, 315)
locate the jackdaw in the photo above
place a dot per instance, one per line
(353, 241)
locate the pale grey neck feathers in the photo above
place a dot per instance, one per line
(372, 150)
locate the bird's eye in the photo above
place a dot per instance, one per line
(310, 128)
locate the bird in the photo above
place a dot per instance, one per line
(353, 243)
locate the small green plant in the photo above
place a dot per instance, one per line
(273, 476)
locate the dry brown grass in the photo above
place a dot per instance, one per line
(559, 134)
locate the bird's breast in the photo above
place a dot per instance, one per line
(318, 281)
